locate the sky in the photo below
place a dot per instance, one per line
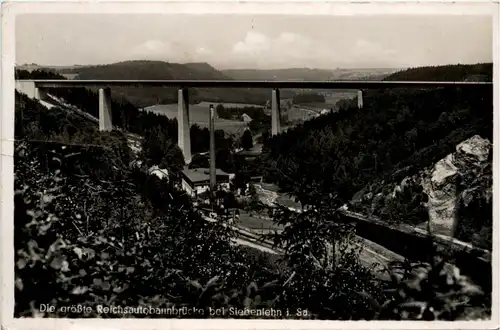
(254, 42)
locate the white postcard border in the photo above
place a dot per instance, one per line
(14, 8)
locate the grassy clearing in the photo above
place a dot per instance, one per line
(199, 114)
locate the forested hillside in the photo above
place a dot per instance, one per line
(477, 72)
(397, 134)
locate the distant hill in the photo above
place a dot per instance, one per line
(149, 70)
(459, 72)
(206, 69)
(309, 74)
(143, 97)
(52, 68)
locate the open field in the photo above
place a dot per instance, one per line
(198, 114)
(256, 222)
(302, 113)
(334, 97)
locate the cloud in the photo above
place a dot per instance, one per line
(204, 51)
(372, 49)
(290, 49)
(294, 46)
(289, 39)
(286, 49)
(153, 48)
(255, 43)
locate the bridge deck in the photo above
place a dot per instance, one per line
(326, 84)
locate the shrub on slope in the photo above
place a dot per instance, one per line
(94, 240)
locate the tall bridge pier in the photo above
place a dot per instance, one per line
(105, 117)
(275, 112)
(183, 125)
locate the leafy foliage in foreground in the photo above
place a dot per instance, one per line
(475, 209)
(432, 291)
(327, 274)
(89, 230)
(93, 241)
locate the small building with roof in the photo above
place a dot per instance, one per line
(196, 181)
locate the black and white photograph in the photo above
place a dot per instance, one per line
(249, 165)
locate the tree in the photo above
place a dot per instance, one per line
(159, 149)
(229, 200)
(173, 158)
(323, 264)
(199, 161)
(247, 140)
(308, 98)
(224, 159)
(221, 111)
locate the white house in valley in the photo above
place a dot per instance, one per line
(197, 180)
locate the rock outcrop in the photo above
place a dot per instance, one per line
(457, 180)
(450, 181)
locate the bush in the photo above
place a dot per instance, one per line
(92, 242)
(435, 291)
(158, 149)
(325, 271)
(247, 140)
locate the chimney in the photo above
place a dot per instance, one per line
(212, 148)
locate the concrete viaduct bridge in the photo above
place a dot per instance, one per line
(38, 89)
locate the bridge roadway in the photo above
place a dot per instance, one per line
(269, 84)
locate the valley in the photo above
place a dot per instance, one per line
(317, 165)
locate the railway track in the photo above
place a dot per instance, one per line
(371, 252)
